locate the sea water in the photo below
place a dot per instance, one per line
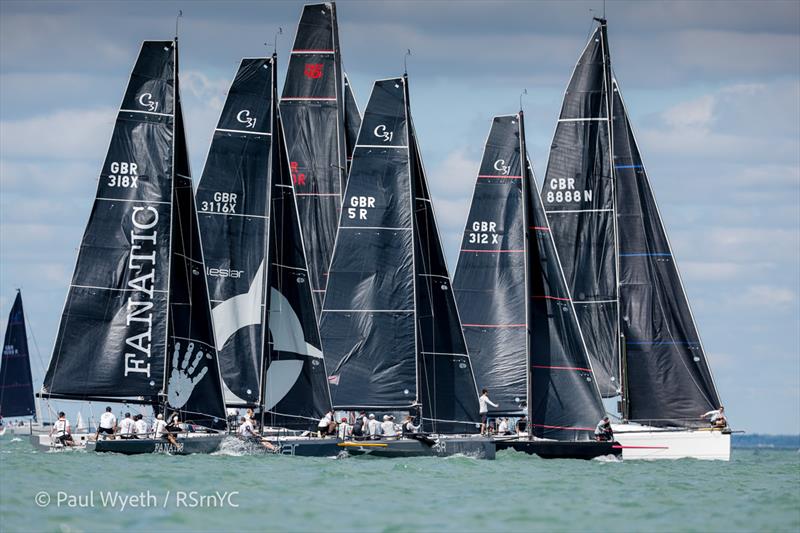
(79, 491)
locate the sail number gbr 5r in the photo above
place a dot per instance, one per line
(223, 202)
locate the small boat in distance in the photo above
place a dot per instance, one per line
(16, 382)
(390, 328)
(519, 322)
(136, 326)
(626, 288)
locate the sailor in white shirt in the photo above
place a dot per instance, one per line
(387, 427)
(140, 427)
(485, 402)
(108, 424)
(159, 427)
(324, 424)
(373, 427)
(126, 427)
(717, 417)
(502, 428)
(345, 429)
(245, 428)
(62, 431)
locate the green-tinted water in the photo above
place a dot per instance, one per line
(757, 490)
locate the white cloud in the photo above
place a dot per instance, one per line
(64, 134)
(763, 298)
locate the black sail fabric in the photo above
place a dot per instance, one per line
(233, 199)
(295, 382)
(447, 387)
(367, 323)
(668, 379)
(16, 384)
(312, 108)
(564, 401)
(194, 384)
(112, 337)
(490, 275)
(578, 194)
(352, 120)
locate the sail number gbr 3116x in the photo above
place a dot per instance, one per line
(223, 202)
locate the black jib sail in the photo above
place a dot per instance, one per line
(314, 117)
(16, 384)
(136, 325)
(390, 327)
(233, 198)
(264, 315)
(667, 377)
(526, 341)
(490, 275)
(578, 194)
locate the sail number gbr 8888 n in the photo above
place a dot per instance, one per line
(563, 190)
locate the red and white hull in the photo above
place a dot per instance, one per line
(645, 442)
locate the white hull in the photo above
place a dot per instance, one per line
(45, 443)
(643, 442)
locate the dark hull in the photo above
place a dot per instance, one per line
(561, 450)
(478, 448)
(185, 446)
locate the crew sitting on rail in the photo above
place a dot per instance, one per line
(324, 425)
(140, 426)
(387, 427)
(603, 431)
(62, 431)
(245, 428)
(522, 425)
(502, 427)
(345, 430)
(126, 428)
(374, 427)
(718, 419)
(172, 429)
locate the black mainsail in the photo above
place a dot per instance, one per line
(16, 383)
(315, 114)
(136, 326)
(578, 193)
(264, 316)
(233, 198)
(519, 321)
(390, 327)
(633, 309)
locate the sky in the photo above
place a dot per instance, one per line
(712, 88)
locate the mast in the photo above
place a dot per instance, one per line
(16, 383)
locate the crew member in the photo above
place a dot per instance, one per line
(718, 419)
(107, 425)
(62, 430)
(603, 431)
(485, 402)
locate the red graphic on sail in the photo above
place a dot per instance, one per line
(313, 70)
(298, 178)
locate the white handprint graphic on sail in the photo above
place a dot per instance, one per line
(184, 376)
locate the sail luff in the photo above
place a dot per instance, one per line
(527, 226)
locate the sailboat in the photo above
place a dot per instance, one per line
(628, 294)
(519, 323)
(263, 309)
(16, 383)
(136, 326)
(389, 325)
(321, 121)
